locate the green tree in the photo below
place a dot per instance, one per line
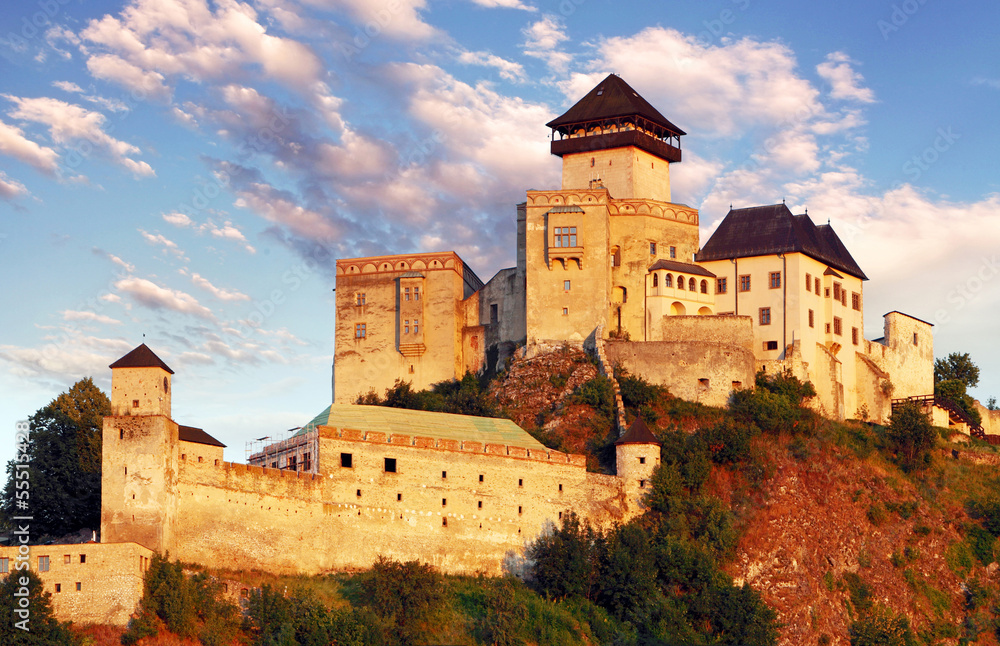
(410, 595)
(564, 560)
(910, 434)
(880, 626)
(42, 627)
(63, 454)
(958, 366)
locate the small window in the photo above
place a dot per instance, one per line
(837, 326)
(816, 286)
(519, 509)
(520, 482)
(406, 293)
(135, 403)
(406, 326)
(444, 474)
(79, 586)
(444, 502)
(480, 504)
(399, 497)
(592, 162)
(360, 331)
(566, 285)
(121, 434)
(359, 493)
(915, 338)
(166, 385)
(43, 564)
(480, 477)
(765, 316)
(4, 565)
(656, 280)
(692, 284)
(745, 283)
(390, 465)
(737, 385)
(827, 328)
(826, 292)
(416, 293)
(836, 291)
(67, 558)
(680, 282)
(416, 326)
(642, 460)
(184, 456)
(560, 487)
(444, 522)
(494, 313)
(669, 281)
(720, 285)
(774, 279)
(854, 335)
(346, 460)
(809, 282)
(673, 252)
(703, 382)
(770, 345)
(811, 319)
(704, 287)
(642, 484)
(856, 301)
(652, 248)
(359, 299)
(565, 311)
(58, 587)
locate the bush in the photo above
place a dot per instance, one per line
(877, 514)
(636, 391)
(565, 560)
(881, 627)
(598, 394)
(728, 441)
(42, 627)
(410, 596)
(910, 435)
(775, 405)
(981, 543)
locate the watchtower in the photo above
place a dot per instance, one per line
(637, 454)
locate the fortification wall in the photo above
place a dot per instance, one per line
(90, 583)
(702, 358)
(872, 390)
(991, 419)
(460, 506)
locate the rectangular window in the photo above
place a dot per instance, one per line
(67, 558)
(642, 460)
(359, 493)
(827, 328)
(519, 509)
(399, 497)
(480, 477)
(479, 504)
(4, 565)
(494, 313)
(406, 293)
(837, 328)
(346, 460)
(816, 285)
(360, 330)
(520, 482)
(775, 279)
(914, 338)
(83, 559)
(79, 586)
(770, 345)
(673, 252)
(854, 335)
(416, 293)
(292, 463)
(836, 291)
(444, 474)
(745, 283)
(826, 292)
(566, 285)
(444, 502)
(856, 301)
(560, 488)
(416, 326)
(43, 564)
(58, 587)
(811, 319)
(765, 316)
(565, 311)
(406, 326)
(306, 461)
(390, 465)
(359, 299)
(135, 403)
(652, 248)
(809, 282)
(564, 237)
(720, 286)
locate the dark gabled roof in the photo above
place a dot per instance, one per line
(613, 98)
(141, 357)
(766, 230)
(196, 435)
(682, 267)
(638, 433)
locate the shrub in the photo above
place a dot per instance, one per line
(910, 434)
(881, 627)
(728, 440)
(408, 595)
(981, 543)
(598, 394)
(776, 404)
(43, 628)
(877, 514)
(565, 560)
(636, 391)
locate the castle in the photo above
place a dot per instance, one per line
(606, 261)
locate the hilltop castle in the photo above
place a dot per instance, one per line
(608, 258)
(606, 261)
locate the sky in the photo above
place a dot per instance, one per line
(185, 173)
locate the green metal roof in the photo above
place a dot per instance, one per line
(422, 423)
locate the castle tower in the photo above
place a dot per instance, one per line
(637, 454)
(614, 138)
(139, 454)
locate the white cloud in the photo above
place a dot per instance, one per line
(398, 19)
(159, 239)
(141, 82)
(67, 86)
(508, 70)
(85, 315)
(227, 230)
(543, 38)
(156, 297)
(221, 294)
(504, 4)
(69, 124)
(14, 144)
(127, 266)
(11, 188)
(178, 219)
(69, 356)
(844, 81)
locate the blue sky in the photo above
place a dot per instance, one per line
(189, 171)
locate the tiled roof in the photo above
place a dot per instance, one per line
(638, 433)
(611, 99)
(141, 357)
(196, 435)
(766, 230)
(423, 423)
(682, 267)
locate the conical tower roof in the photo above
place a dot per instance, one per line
(141, 357)
(638, 433)
(613, 98)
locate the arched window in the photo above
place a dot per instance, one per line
(669, 282)
(692, 284)
(680, 282)
(656, 280)
(704, 287)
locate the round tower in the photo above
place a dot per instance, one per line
(637, 453)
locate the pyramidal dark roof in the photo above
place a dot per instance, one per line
(141, 357)
(638, 433)
(611, 99)
(773, 229)
(196, 435)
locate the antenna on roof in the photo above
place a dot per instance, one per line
(828, 222)
(782, 201)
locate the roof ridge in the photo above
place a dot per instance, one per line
(141, 357)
